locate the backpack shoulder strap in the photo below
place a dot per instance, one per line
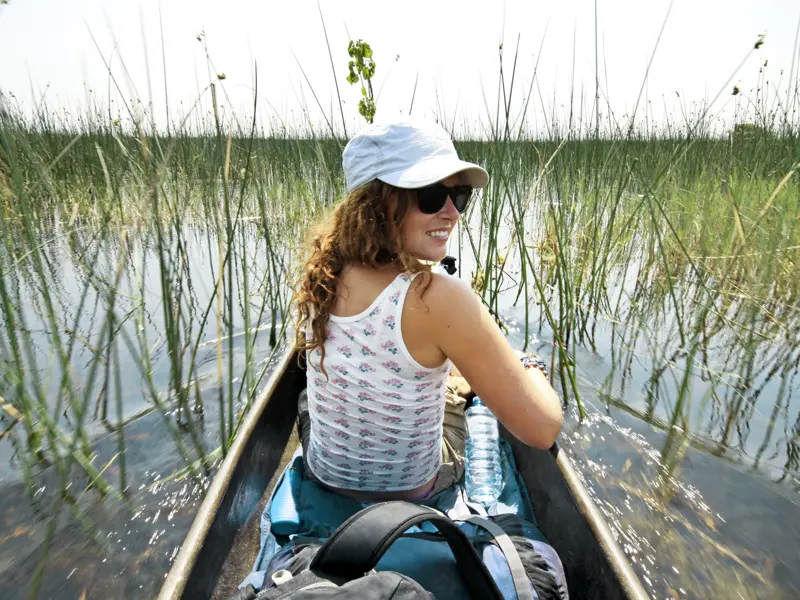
(522, 584)
(359, 543)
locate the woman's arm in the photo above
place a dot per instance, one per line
(463, 329)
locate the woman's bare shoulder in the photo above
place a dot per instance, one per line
(443, 295)
(441, 287)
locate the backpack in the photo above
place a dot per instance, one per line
(344, 565)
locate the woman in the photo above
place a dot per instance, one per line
(382, 332)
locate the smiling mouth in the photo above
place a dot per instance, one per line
(440, 234)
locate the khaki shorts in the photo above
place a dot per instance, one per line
(454, 436)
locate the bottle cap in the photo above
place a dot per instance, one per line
(281, 577)
(477, 402)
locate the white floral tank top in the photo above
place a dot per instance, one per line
(376, 421)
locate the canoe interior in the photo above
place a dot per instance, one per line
(593, 569)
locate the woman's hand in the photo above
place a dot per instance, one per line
(460, 384)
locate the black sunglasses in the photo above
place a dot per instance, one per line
(431, 199)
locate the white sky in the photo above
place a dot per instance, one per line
(47, 49)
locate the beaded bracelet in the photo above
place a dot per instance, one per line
(530, 362)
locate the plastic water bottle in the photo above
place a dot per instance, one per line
(484, 467)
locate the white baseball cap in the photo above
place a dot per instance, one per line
(406, 153)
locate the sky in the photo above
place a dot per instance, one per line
(58, 54)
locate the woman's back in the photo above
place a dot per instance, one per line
(377, 415)
(358, 287)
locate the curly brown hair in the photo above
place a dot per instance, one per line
(365, 229)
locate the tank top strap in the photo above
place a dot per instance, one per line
(401, 286)
(392, 303)
(386, 312)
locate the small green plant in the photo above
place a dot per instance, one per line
(362, 68)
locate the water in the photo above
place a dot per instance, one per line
(125, 549)
(484, 476)
(706, 518)
(713, 514)
(100, 545)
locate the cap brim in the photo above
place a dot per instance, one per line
(435, 169)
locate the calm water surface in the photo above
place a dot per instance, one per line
(715, 515)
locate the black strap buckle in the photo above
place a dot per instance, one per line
(449, 264)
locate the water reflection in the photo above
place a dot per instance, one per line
(706, 530)
(689, 446)
(697, 515)
(116, 550)
(101, 486)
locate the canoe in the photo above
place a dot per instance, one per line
(223, 542)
